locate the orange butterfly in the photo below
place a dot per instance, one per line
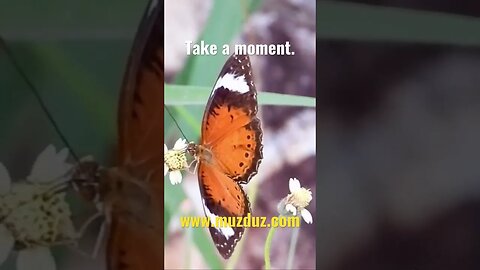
(230, 149)
(132, 192)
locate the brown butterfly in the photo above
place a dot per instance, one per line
(230, 149)
(131, 193)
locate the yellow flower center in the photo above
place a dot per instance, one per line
(36, 216)
(175, 160)
(300, 198)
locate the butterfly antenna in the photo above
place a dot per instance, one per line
(37, 97)
(175, 121)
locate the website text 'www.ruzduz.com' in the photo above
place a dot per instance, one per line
(246, 222)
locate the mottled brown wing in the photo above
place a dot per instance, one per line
(136, 245)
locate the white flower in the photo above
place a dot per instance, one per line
(34, 214)
(175, 160)
(296, 201)
(49, 165)
(290, 208)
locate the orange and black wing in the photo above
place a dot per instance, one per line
(231, 132)
(133, 245)
(222, 197)
(230, 126)
(140, 110)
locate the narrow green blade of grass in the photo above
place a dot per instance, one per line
(203, 69)
(167, 216)
(351, 21)
(192, 117)
(174, 195)
(195, 95)
(204, 243)
(254, 5)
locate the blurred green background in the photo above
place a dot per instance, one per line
(75, 54)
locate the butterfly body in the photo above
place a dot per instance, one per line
(230, 149)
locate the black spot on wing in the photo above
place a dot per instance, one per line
(257, 159)
(123, 264)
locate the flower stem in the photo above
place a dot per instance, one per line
(268, 244)
(293, 246)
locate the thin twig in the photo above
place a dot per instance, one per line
(268, 244)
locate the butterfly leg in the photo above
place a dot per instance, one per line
(87, 223)
(101, 234)
(196, 166)
(99, 241)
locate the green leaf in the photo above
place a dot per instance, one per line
(203, 69)
(205, 244)
(198, 95)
